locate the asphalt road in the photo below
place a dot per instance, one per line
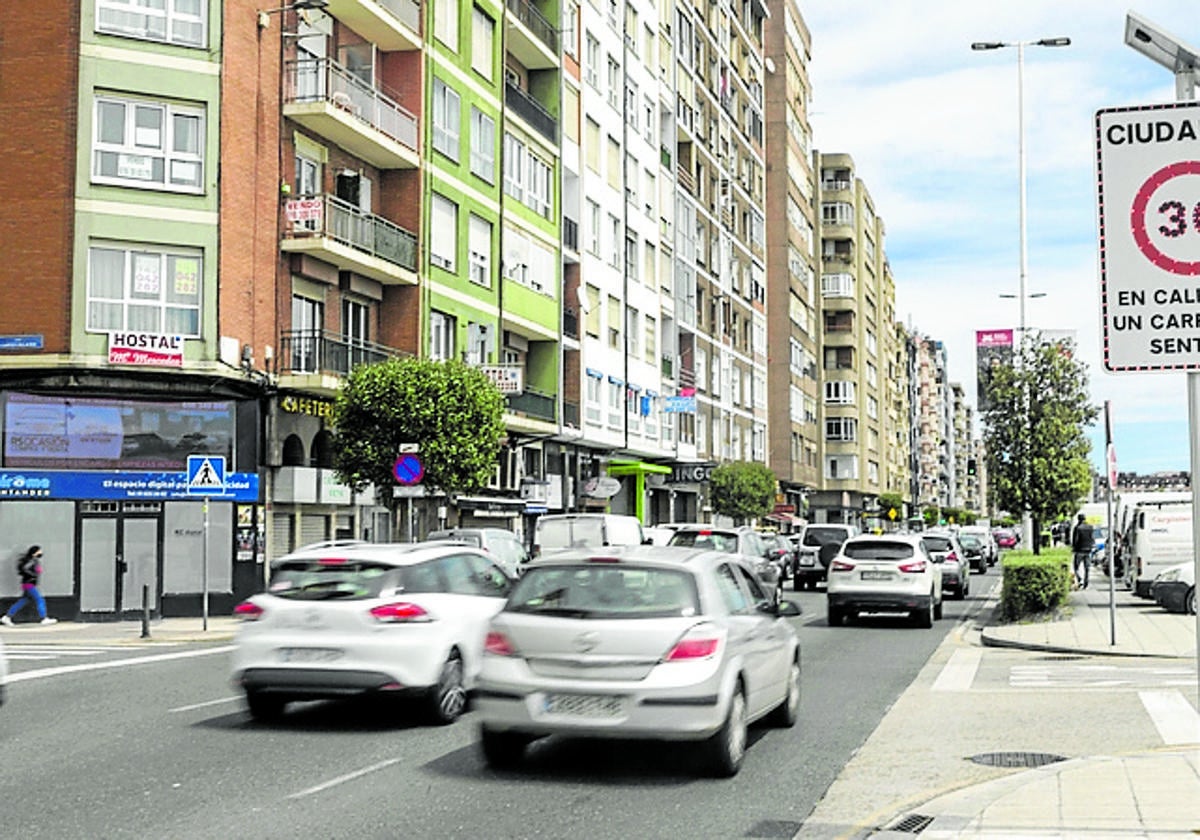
(164, 749)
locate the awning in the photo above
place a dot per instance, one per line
(636, 468)
(784, 518)
(491, 504)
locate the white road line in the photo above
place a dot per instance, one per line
(116, 663)
(349, 777)
(28, 657)
(205, 704)
(1177, 722)
(959, 672)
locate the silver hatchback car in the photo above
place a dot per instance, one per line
(649, 642)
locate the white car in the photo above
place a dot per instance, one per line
(660, 643)
(884, 573)
(360, 618)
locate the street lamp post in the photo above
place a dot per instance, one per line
(1022, 293)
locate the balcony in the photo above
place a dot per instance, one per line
(534, 404)
(339, 233)
(570, 234)
(327, 353)
(570, 323)
(394, 24)
(329, 100)
(531, 111)
(531, 38)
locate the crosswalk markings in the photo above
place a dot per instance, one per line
(1099, 676)
(33, 653)
(959, 672)
(1173, 716)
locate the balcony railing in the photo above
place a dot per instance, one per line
(324, 80)
(571, 414)
(570, 323)
(535, 22)
(374, 235)
(530, 110)
(407, 11)
(533, 403)
(570, 234)
(321, 351)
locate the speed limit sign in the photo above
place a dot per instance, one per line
(1148, 190)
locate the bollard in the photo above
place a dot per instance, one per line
(145, 611)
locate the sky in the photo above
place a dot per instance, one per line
(932, 127)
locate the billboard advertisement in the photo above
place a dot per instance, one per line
(993, 348)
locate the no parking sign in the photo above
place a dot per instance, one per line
(1148, 189)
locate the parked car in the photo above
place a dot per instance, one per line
(975, 549)
(817, 546)
(1174, 589)
(673, 644)
(502, 544)
(884, 573)
(991, 551)
(737, 539)
(945, 549)
(575, 530)
(384, 619)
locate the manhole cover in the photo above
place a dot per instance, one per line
(911, 824)
(775, 829)
(1016, 759)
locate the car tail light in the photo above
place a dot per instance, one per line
(952, 556)
(248, 611)
(401, 612)
(604, 560)
(698, 643)
(498, 644)
(841, 566)
(914, 568)
(331, 561)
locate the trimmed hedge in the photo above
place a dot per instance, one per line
(1034, 585)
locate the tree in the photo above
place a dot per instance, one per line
(1037, 447)
(451, 411)
(889, 502)
(742, 490)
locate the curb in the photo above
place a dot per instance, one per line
(992, 640)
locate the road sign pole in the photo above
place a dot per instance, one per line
(1110, 468)
(204, 623)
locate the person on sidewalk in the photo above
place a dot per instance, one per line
(1083, 543)
(29, 567)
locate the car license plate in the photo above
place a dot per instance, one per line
(583, 705)
(807, 561)
(869, 574)
(295, 654)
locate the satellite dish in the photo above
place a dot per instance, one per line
(769, 63)
(581, 295)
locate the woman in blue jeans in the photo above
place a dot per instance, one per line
(29, 567)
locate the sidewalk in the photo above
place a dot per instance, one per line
(164, 630)
(1150, 794)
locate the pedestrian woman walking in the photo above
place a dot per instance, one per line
(29, 567)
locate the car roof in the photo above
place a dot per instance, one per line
(396, 554)
(911, 539)
(655, 555)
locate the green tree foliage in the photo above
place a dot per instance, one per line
(742, 490)
(452, 411)
(1035, 432)
(891, 501)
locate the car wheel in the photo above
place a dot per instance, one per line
(502, 749)
(784, 715)
(448, 699)
(798, 584)
(727, 748)
(835, 616)
(924, 616)
(265, 707)
(966, 588)
(937, 610)
(1189, 603)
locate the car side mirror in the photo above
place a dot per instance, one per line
(787, 609)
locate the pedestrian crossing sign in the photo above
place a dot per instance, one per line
(206, 474)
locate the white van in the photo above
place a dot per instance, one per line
(1160, 535)
(570, 530)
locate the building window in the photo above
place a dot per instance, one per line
(593, 227)
(441, 336)
(592, 323)
(483, 36)
(614, 83)
(479, 236)
(591, 60)
(483, 145)
(141, 288)
(839, 393)
(841, 429)
(181, 22)
(445, 22)
(443, 232)
(571, 29)
(446, 119)
(841, 467)
(308, 320)
(152, 145)
(614, 323)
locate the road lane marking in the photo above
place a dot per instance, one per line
(205, 704)
(23, 676)
(958, 673)
(1173, 716)
(349, 777)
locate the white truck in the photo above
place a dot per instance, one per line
(1159, 536)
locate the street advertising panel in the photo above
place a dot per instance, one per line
(993, 348)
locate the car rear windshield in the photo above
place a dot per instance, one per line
(824, 536)
(566, 533)
(970, 541)
(329, 579)
(605, 591)
(880, 550)
(712, 540)
(462, 536)
(936, 543)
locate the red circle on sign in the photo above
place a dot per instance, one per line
(1137, 217)
(408, 470)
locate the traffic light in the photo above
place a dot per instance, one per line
(970, 466)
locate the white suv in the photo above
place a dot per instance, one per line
(888, 573)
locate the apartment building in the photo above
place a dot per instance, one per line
(857, 318)
(792, 267)
(930, 423)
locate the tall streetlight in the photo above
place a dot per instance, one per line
(1026, 522)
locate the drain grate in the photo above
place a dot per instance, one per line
(911, 824)
(782, 829)
(1017, 759)
(1066, 657)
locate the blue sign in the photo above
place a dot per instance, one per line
(679, 405)
(408, 469)
(117, 485)
(20, 342)
(206, 475)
